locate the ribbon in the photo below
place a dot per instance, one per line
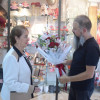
(60, 68)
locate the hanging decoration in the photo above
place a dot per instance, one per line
(14, 8)
(36, 8)
(24, 9)
(26, 23)
(24, 12)
(25, 5)
(51, 2)
(2, 22)
(3, 42)
(44, 11)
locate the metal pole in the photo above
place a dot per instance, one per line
(59, 18)
(46, 71)
(59, 24)
(8, 38)
(47, 23)
(56, 88)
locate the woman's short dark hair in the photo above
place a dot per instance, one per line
(83, 21)
(17, 31)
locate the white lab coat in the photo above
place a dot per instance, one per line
(16, 75)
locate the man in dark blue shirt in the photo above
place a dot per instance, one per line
(84, 62)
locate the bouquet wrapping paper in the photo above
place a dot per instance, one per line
(55, 57)
(52, 48)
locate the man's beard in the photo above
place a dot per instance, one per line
(75, 42)
(78, 41)
(82, 40)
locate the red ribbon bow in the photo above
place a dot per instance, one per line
(60, 68)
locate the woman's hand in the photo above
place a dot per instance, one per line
(37, 89)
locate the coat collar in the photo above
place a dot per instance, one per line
(17, 51)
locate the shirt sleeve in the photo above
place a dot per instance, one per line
(11, 74)
(92, 56)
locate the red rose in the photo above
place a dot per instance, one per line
(57, 37)
(63, 34)
(52, 29)
(52, 44)
(61, 29)
(51, 26)
(48, 38)
(66, 30)
(64, 27)
(57, 44)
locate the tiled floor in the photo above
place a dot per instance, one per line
(0, 96)
(95, 96)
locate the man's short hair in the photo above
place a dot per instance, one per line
(83, 21)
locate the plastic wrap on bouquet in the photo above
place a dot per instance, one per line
(55, 57)
(52, 48)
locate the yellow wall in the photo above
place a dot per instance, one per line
(93, 17)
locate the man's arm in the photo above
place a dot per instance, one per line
(89, 73)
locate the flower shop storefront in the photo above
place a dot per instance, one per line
(50, 24)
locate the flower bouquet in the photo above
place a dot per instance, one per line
(52, 48)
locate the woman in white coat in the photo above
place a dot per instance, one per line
(17, 71)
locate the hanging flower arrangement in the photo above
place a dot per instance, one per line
(14, 6)
(2, 22)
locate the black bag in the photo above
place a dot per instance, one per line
(52, 89)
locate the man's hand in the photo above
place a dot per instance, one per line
(64, 79)
(67, 62)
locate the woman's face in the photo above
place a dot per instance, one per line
(22, 40)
